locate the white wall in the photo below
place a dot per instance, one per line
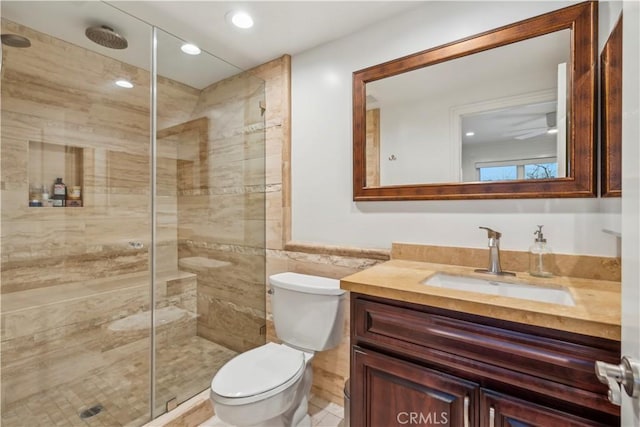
(323, 209)
(413, 132)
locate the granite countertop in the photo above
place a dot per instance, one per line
(596, 311)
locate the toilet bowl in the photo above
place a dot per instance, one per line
(270, 385)
(260, 387)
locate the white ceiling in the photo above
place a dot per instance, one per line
(287, 27)
(280, 26)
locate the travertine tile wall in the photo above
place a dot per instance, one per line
(74, 102)
(67, 273)
(43, 102)
(583, 266)
(221, 211)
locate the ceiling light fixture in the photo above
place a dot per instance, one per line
(241, 19)
(470, 133)
(552, 131)
(124, 83)
(190, 49)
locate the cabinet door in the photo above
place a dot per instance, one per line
(387, 392)
(499, 410)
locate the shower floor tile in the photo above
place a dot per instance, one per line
(183, 369)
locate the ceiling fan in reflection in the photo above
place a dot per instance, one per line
(545, 124)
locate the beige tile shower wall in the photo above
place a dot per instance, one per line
(60, 94)
(221, 202)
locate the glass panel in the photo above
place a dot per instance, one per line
(75, 255)
(499, 173)
(541, 171)
(210, 281)
(430, 125)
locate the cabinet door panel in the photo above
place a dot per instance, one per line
(498, 410)
(389, 392)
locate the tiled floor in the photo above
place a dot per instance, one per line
(323, 414)
(183, 369)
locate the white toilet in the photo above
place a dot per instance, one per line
(270, 385)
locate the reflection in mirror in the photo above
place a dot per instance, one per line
(488, 116)
(509, 113)
(520, 142)
(611, 119)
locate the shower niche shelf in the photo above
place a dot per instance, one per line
(48, 161)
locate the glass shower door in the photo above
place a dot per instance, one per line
(209, 218)
(75, 293)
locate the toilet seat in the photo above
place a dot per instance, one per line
(258, 374)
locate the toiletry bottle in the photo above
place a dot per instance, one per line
(59, 193)
(34, 197)
(45, 194)
(540, 256)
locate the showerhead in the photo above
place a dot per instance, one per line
(15, 40)
(106, 36)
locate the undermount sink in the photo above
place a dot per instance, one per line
(555, 295)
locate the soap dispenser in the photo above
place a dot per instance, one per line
(540, 256)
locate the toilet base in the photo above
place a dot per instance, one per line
(305, 422)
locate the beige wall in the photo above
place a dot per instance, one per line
(67, 273)
(74, 103)
(221, 203)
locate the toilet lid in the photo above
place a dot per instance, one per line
(306, 284)
(258, 371)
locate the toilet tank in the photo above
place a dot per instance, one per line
(308, 311)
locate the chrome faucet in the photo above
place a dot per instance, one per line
(494, 255)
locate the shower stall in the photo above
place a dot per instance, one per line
(123, 291)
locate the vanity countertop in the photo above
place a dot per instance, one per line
(596, 311)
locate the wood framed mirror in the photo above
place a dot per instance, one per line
(611, 114)
(569, 110)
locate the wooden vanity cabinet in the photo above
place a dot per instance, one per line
(419, 365)
(395, 389)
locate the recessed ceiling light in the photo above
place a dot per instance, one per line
(552, 131)
(241, 19)
(124, 83)
(190, 49)
(470, 133)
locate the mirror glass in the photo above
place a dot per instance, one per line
(508, 113)
(496, 115)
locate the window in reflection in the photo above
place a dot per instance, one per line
(517, 169)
